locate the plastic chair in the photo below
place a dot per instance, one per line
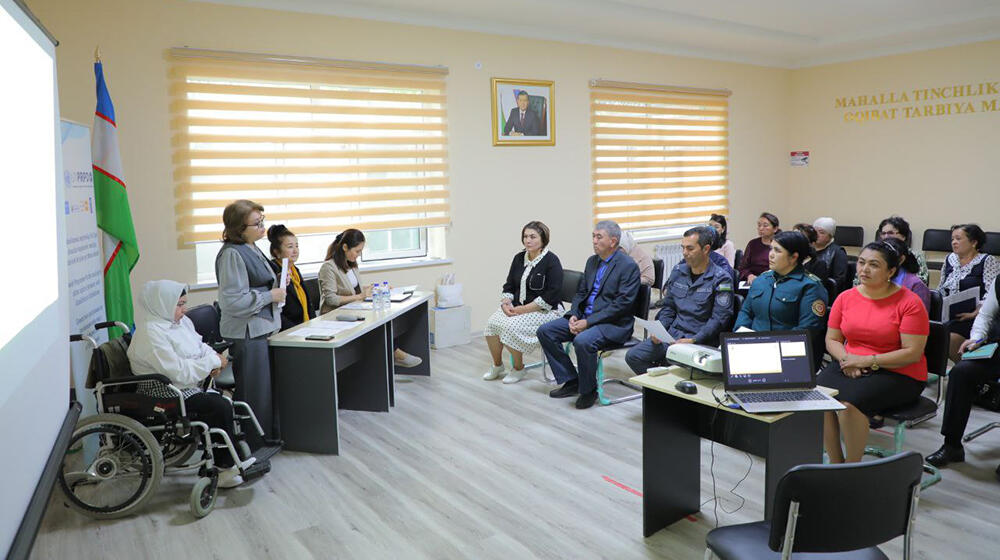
(839, 511)
(923, 408)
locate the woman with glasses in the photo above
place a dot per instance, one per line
(248, 298)
(896, 226)
(876, 335)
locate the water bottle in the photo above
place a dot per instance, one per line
(386, 296)
(375, 296)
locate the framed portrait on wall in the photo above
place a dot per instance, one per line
(524, 112)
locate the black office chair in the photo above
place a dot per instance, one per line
(206, 322)
(992, 246)
(659, 273)
(844, 511)
(849, 236)
(909, 415)
(936, 304)
(311, 287)
(641, 310)
(737, 259)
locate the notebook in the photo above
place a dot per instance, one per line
(772, 371)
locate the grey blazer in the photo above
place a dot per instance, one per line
(245, 293)
(334, 285)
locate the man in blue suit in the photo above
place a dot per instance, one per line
(522, 121)
(599, 316)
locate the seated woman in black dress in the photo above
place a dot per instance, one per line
(298, 307)
(966, 268)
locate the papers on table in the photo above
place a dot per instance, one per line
(959, 299)
(327, 328)
(984, 352)
(744, 329)
(743, 286)
(655, 329)
(358, 306)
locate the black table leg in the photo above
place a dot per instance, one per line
(671, 460)
(411, 333)
(362, 374)
(305, 382)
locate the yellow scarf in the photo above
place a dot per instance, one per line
(300, 293)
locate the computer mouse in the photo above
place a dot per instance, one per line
(686, 387)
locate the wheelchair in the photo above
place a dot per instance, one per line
(116, 458)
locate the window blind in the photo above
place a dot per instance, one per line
(323, 145)
(660, 154)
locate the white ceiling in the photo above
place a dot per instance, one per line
(782, 33)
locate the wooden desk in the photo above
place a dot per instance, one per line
(354, 371)
(673, 424)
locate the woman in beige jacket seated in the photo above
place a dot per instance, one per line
(340, 284)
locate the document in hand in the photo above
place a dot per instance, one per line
(655, 329)
(284, 277)
(957, 302)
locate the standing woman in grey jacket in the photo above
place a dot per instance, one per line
(249, 302)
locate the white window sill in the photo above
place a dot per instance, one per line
(395, 264)
(658, 237)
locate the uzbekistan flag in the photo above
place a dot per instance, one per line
(114, 217)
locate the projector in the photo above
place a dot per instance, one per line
(696, 356)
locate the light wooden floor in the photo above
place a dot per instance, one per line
(463, 468)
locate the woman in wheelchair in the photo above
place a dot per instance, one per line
(168, 344)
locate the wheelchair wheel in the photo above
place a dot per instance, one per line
(203, 496)
(113, 466)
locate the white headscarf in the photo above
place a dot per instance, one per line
(172, 348)
(160, 297)
(627, 242)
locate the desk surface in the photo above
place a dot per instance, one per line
(372, 320)
(665, 384)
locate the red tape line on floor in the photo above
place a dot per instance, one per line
(622, 486)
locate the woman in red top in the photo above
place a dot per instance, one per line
(876, 335)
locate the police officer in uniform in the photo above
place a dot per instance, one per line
(786, 297)
(697, 305)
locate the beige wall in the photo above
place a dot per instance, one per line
(935, 171)
(495, 189)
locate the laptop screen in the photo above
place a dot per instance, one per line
(767, 360)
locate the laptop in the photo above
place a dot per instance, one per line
(772, 371)
(397, 295)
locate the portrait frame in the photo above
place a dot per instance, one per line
(539, 128)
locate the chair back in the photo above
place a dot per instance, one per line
(937, 240)
(311, 287)
(641, 307)
(658, 273)
(936, 304)
(737, 259)
(570, 284)
(850, 236)
(206, 322)
(936, 350)
(992, 246)
(831, 289)
(847, 506)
